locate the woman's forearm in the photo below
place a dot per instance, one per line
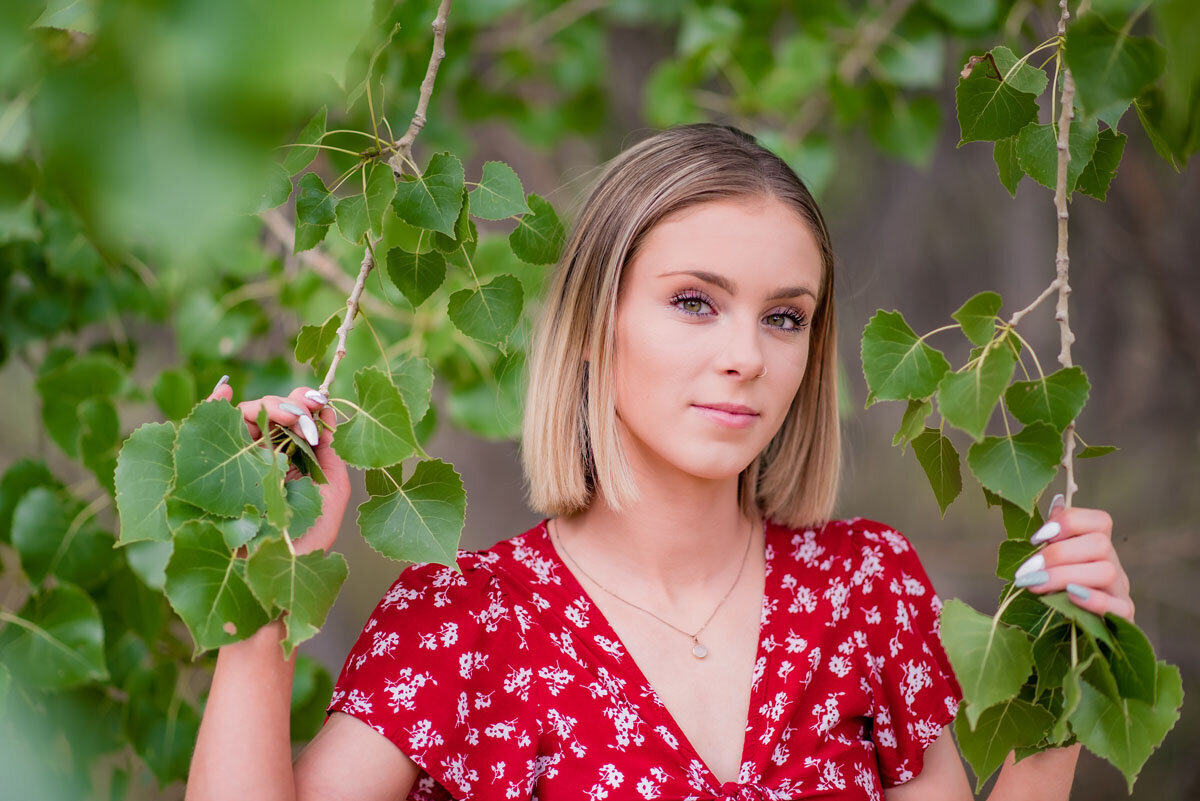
(243, 749)
(1045, 776)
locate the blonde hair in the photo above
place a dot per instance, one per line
(569, 439)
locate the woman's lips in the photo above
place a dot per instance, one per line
(726, 418)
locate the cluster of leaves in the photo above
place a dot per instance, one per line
(98, 639)
(1041, 672)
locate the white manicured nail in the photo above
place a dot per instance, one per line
(1056, 502)
(1030, 565)
(1046, 532)
(316, 397)
(224, 380)
(293, 408)
(309, 429)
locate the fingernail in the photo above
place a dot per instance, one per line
(316, 397)
(224, 380)
(1057, 502)
(293, 408)
(1046, 532)
(1031, 579)
(309, 428)
(1035, 562)
(1082, 593)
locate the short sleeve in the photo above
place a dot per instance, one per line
(435, 671)
(914, 690)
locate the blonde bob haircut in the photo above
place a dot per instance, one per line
(569, 440)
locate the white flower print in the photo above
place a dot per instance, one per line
(916, 678)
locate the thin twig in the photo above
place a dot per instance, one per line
(1047, 292)
(368, 263)
(404, 145)
(1062, 260)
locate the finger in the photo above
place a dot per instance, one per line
(1066, 523)
(1092, 575)
(280, 411)
(1100, 602)
(1091, 547)
(222, 390)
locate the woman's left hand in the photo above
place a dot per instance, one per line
(1080, 559)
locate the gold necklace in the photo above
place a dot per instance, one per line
(698, 649)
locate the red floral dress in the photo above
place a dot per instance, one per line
(505, 681)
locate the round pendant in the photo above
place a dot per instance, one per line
(699, 651)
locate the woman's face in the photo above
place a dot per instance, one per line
(718, 293)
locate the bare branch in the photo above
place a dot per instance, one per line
(404, 145)
(1062, 260)
(368, 263)
(1047, 292)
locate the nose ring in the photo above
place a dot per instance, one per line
(760, 375)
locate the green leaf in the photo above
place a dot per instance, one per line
(207, 588)
(492, 407)
(1004, 153)
(432, 200)
(52, 540)
(413, 376)
(1012, 554)
(1098, 174)
(464, 233)
(1037, 151)
(422, 521)
(1019, 467)
(1109, 66)
(978, 317)
(1055, 399)
(175, 393)
(162, 726)
(217, 466)
(539, 236)
(1125, 733)
(912, 424)
(314, 340)
(912, 61)
(56, 640)
(999, 729)
(20, 477)
(1094, 451)
(417, 275)
(991, 659)
(896, 364)
(314, 211)
(990, 108)
(148, 560)
(277, 187)
(298, 158)
(940, 462)
(305, 586)
(304, 499)
(68, 15)
(490, 312)
(145, 475)
(1072, 684)
(1132, 659)
(499, 193)
(308, 457)
(64, 387)
(1052, 658)
(380, 433)
(312, 688)
(275, 502)
(1018, 523)
(966, 400)
(99, 436)
(360, 213)
(1024, 78)
(1088, 621)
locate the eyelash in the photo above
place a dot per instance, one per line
(797, 317)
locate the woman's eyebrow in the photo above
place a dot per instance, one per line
(731, 288)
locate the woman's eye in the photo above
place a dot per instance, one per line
(692, 305)
(789, 321)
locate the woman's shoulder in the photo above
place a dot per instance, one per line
(847, 534)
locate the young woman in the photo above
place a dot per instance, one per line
(687, 621)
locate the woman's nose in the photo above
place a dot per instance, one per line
(743, 351)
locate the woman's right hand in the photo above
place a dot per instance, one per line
(335, 494)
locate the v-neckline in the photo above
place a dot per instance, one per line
(757, 688)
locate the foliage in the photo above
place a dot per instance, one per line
(142, 200)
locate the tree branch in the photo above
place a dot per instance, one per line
(404, 145)
(1061, 260)
(368, 263)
